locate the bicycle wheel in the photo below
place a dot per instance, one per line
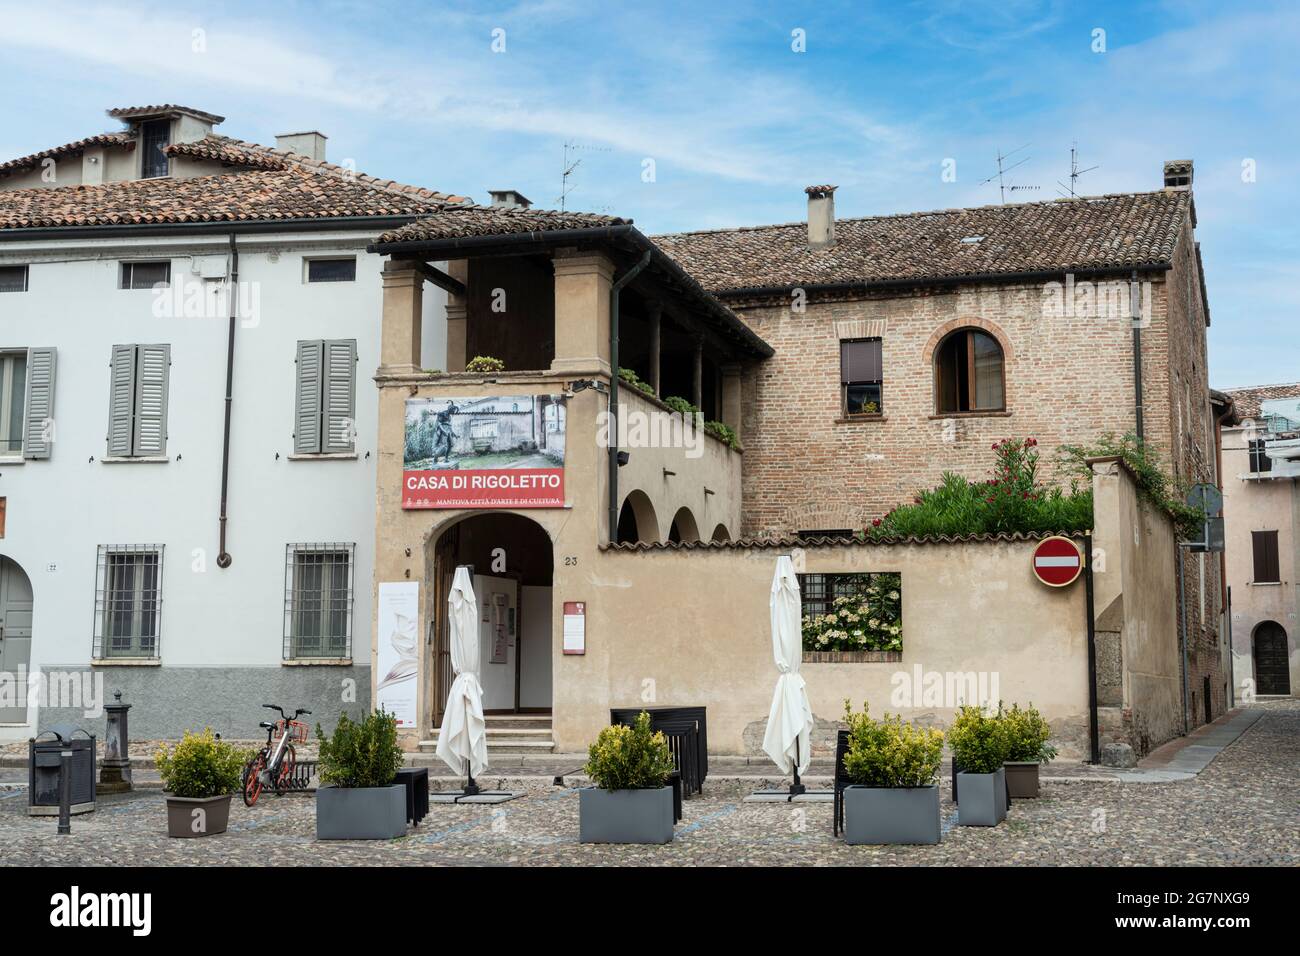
(284, 776)
(252, 787)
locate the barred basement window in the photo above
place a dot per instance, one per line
(128, 600)
(318, 601)
(852, 612)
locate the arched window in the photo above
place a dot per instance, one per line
(968, 373)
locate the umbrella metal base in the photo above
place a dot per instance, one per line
(785, 796)
(480, 796)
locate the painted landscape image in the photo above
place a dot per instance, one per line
(518, 431)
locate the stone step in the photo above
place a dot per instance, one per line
(504, 745)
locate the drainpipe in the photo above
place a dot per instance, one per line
(614, 291)
(1094, 735)
(1232, 676)
(1135, 313)
(1182, 633)
(223, 556)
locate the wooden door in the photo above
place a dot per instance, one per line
(15, 636)
(1272, 669)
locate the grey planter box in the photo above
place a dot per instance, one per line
(983, 799)
(360, 813)
(874, 815)
(625, 816)
(197, 816)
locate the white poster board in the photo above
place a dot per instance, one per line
(397, 661)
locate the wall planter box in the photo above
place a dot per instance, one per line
(197, 816)
(360, 813)
(1022, 779)
(874, 815)
(983, 799)
(625, 816)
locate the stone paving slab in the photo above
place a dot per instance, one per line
(1240, 810)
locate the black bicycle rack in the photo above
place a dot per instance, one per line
(302, 774)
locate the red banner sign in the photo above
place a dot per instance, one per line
(484, 488)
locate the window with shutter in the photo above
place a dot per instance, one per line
(13, 391)
(137, 414)
(861, 377)
(325, 397)
(38, 429)
(1264, 546)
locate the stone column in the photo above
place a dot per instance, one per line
(697, 378)
(731, 403)
(458, 318)
(399, 350)
(582, 285)
(656, 324)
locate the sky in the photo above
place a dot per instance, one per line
(705, 115)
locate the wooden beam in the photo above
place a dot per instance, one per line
(437, 277)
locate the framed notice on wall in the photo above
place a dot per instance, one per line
(396, 663)
(575, 627)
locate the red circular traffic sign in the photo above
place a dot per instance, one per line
(1057, 561)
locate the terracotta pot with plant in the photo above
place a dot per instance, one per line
(200, 774)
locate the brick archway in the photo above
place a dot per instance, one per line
(969, 322)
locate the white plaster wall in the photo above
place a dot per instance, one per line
(61, 509)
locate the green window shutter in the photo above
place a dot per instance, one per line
(153, 364)
(340, 395)
(39, 404)
(121, 401)
(307, 401)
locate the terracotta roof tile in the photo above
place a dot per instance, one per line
(1245, 401)
(1132, 229)
(826, 541)
(274, 185)
(458, 222)
(67, 149)
(132, 112)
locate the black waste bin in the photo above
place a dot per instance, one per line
(44, 759)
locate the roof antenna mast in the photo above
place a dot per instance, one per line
(1075, 172)
(566, 177)
(1005, 187)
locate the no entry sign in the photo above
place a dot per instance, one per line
(1057, 561)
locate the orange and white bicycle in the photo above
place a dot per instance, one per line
(273, 765)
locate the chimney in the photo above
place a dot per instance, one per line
(310, 144)
(821, 216)
(509, 199)
(1178, 174)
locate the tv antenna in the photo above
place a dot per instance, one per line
(1075, 172)
(1003, 169)
(566, 177)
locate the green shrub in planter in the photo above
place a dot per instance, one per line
(723, 432)
(631, 378)
(1027, 734)
(200, 775)
(889, 752)
(630, 758)
(630, 802)
(485, 363)
(682, 407)
(201, 766)
(893, 767)
(979, 748)
(362, 754)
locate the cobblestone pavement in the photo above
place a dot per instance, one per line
(1243, 809)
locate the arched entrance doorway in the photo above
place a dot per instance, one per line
(15, 637)
(1272, 664)
(512, 562)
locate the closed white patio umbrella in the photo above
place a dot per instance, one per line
(462, 739)
(788, 740)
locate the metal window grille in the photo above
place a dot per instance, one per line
(128, 600)
(13, 278)
(1259, 460)
(155, 136)
(819, 591)
(318, 587)
(332, 270)
(146, 275)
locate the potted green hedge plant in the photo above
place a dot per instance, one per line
(979, 747)
(357, 799)
(1027, 733)
(200, 774)
(631, 801)
(893, 767)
